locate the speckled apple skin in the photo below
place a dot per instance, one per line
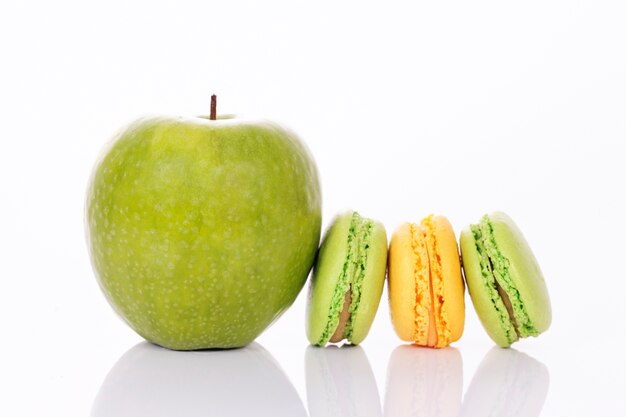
(203, 232)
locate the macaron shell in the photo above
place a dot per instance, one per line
(453, 286)
(402, 287)
(486, 303)
(372, 285)
(523, 270)
(333, 252)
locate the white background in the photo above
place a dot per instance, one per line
(409, 107)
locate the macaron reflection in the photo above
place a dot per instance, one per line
(424, 382)
(507, 383)
(152, 381)
(340, 382)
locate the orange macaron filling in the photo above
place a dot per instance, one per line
(425, 332)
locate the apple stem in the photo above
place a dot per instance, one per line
(213, 115)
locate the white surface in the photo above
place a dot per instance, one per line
(409, 108)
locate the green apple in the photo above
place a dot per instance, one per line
(202, 232)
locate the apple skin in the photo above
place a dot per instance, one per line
(203, 232)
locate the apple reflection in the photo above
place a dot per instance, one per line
(152, 381)
(507, 383)
(340, 382)
(424, 382)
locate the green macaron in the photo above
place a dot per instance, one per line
(347, 282)
(504, 280)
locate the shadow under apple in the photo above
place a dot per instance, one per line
(152, 381)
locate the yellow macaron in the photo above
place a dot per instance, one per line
(426, 289)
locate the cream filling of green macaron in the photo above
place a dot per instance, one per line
(495, 271)
(489, 283)
(351, 277)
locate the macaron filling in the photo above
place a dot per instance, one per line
(424, 313)
(508, 306)
(347, 292)
(344, 318)
(438, 305)
(497, 279)
(431, 322)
